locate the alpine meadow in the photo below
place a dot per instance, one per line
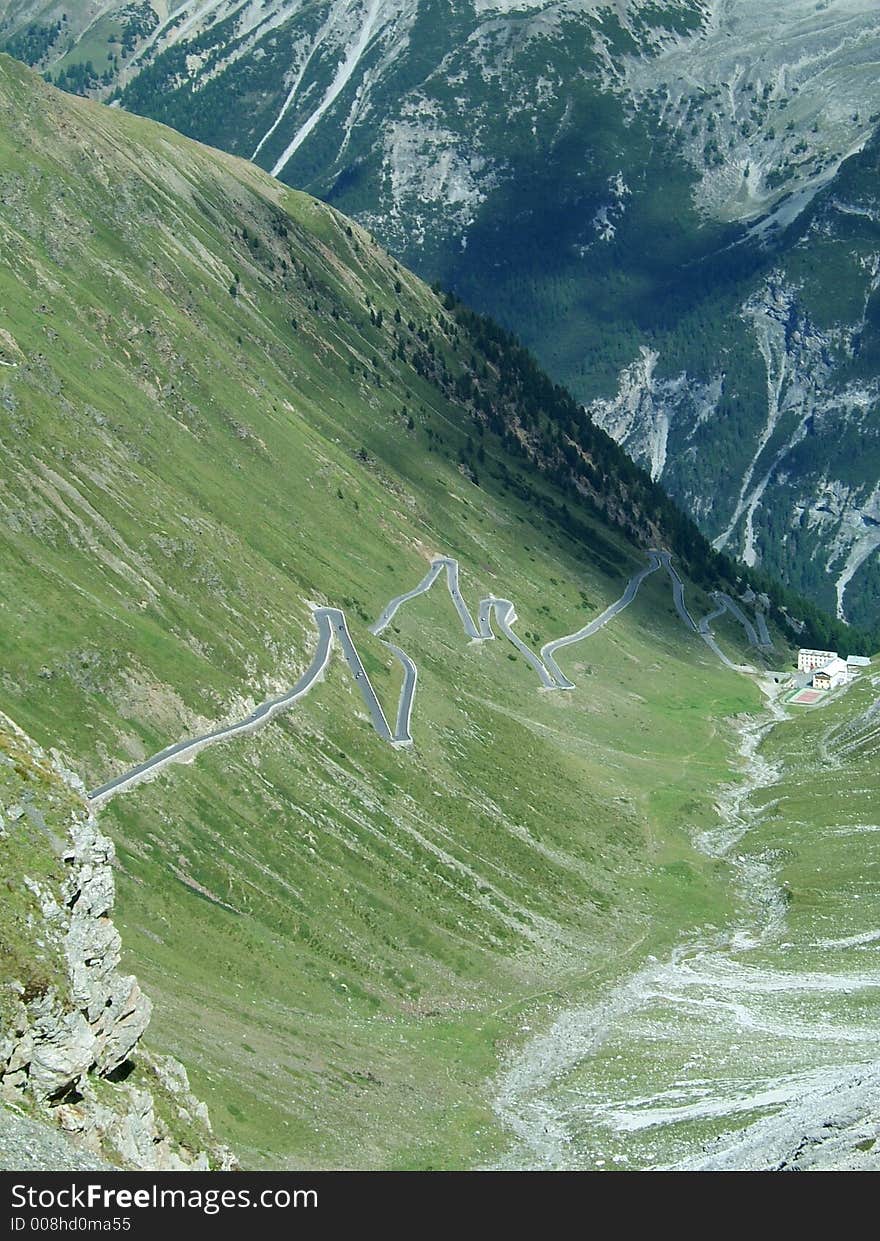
(414, 747)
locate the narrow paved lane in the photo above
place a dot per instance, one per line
(402, 735)
(261, 715)
(332, 626)
(505, 616)
(764, 632)
(735, 610)
(677, 591)
(726, 604)
(549, 649)
(452, 583)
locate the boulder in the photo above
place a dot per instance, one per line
(63, 1047)
(124, 1019)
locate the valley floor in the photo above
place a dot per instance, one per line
(751, 1043)
(754, 1045)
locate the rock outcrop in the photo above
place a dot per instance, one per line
(835, 1128)
(70, 1037)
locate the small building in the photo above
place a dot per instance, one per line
(854, 662)
(833, 674)
(809, 661)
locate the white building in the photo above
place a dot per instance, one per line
(809, 661)
(854, 662)
(833, 674)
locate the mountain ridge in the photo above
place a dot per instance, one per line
(190, 460)
(640, 143)
(226, 406)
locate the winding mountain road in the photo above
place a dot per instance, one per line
(763, 631)
(261, 715)
(402, 735)
(726, 604)
(678, 592)
(505, 616)
(332, 626)
(735, 610)
(438, 564)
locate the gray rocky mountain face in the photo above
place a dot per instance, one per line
(50, 1046)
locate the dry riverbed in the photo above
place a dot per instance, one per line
(754, 1045)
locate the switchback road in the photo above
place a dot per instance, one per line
(332, 626)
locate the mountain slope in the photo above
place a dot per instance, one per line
(211, 420)
(737, 80)
(580, 172)
(771, 437)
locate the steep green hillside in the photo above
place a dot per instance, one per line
(222, 403)
(617, 184)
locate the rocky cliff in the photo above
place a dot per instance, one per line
(71, 1022)
(768, 434)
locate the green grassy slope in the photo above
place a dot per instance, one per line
(588, 178)
(205, 425)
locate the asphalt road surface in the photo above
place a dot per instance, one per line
(505, 616)
(632, 589)
(724, 605)
(332, 626)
